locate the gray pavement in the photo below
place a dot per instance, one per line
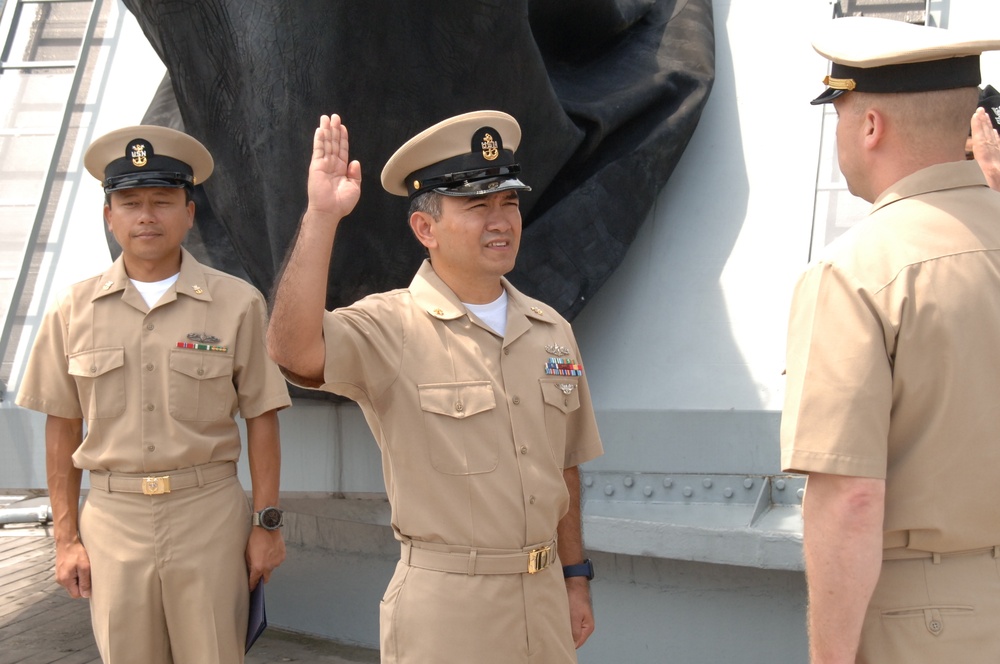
(40, 623)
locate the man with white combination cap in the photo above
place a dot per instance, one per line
(893, 370)
(141, 371)
(475, 393)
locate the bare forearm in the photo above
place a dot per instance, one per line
(62, 437)
(842, 542)
(264, 457)
(569, 529)
(295, 331)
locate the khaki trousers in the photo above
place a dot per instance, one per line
(451, 618)
(169, 574)
(935, 610)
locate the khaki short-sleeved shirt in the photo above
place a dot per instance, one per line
(151, 404)
(894, 360)
(474, 433)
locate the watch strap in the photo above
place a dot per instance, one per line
(586, 568)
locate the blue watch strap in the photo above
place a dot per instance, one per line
(586, 568)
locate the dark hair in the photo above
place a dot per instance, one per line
(428, 203)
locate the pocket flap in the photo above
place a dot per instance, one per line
(201, 365)
(562, 393)
(457, 399)
(93, 363)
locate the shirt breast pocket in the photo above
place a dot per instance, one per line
(460, 427)
(100, 381)
(201, 385)
(561, 396)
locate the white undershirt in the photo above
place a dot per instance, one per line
(152, 291)
(493, 314)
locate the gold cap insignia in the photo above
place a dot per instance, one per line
(139, 155)
(839, 83)
(490, 148)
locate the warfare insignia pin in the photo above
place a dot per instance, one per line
(557, 350)
(567, 388)
(139, 155)
(203, 338)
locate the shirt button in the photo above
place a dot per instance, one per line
(149, 326)
(531, 500)
(516, 400)
(524, 449)
(93, 370)
(506, 351)
(149, 367)
(459, 407)
(201, 372)
(151, 448)
(150, 406)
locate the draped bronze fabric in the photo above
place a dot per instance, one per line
(607, 93)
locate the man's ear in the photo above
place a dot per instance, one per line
(422, 225)
(874, 128)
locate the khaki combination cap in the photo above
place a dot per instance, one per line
(880, 55)
(467, 155)
(148, 156)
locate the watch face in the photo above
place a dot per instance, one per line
(270, 518)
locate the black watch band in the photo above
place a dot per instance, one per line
(586, 568)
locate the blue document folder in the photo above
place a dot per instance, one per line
(257, 622)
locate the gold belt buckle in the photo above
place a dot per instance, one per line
(154, 486)
(539, 559)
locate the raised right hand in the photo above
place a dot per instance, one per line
(334, 180)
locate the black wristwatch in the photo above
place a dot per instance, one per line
(586, 568)
(269, 518)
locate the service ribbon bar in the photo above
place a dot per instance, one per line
(563, 367)
(217, 349)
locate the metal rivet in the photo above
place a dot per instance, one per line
(647, 491)
(688, 491)
(728, 493)
(800, 493)
(628, 481)
(780, 485)
(748, 483)
(588, 480)
(667, 482)
(609, 490)
(707, 483)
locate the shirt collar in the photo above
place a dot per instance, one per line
(437, 299)
(939, 177)
(190, 282)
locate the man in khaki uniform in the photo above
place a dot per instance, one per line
(893, 369)
(156, 355)
(475, 393)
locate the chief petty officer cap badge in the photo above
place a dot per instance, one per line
(467, 155)
(148, 156)
(880, 55)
